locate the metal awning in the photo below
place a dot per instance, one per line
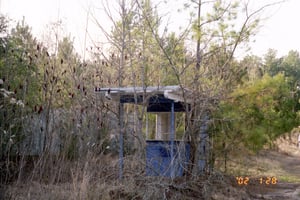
(152, 94)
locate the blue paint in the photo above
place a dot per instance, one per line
(158, 158)
(172, 138)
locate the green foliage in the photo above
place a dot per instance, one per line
(254, 114)
(34, 83)
(10, 127)
(19, 67)
(258, 112)
(289, 65)
(253, 68)
(271, 63)
(221, 26)
(18, 86)
(175, 50)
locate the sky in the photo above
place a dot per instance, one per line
(280, 31)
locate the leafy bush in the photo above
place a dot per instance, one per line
(257, 113)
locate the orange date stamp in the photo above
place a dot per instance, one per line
(245, 180)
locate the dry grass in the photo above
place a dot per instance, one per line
(282, 161)
(81, 181)
(97, 178)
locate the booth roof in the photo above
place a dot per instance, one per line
(171, 92)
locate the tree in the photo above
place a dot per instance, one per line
(19, 90)
(253, 67)
(271, 62)
(217, 35)
(255, 114)
(210, 71)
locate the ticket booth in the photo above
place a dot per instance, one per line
(165, 156)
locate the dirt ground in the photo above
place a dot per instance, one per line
(287, 174)
(283, 164)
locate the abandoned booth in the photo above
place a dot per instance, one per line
(166, 155)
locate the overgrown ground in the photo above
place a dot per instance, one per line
(283, 163)
(96, 178)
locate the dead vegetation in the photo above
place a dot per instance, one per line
(96, 177)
